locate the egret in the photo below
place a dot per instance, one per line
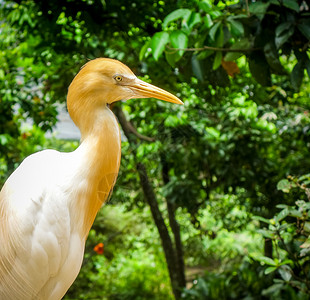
(49, 203)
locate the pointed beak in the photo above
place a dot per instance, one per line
(143, 89)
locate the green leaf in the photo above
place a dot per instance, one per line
(236, 28)
(172, 121)
(172, 56)
(259, 218)
(295, 213)
(217, 60)
(193, 19)
(282, 206)
(213, 132)
(4, 139)
(259, 9)
(283, 32)
(272, 58)
(241, 44)
(272, 290)
(158, 43)
(260, 68)
(285, 273)
(2, 74)
(283, 27)
(208, 21)
(291, 4)
(144, 50)
(304, 177)
(205, 5)
(306, 244)
(282, 215)
(297, 75)
(266, 260)
(266, 233)
(270, 270)
(214, 29)
(179, 40)
(284, 185)
(196, 66)
(176, 14)
(304, 27)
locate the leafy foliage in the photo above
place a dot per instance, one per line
(242, 72)
(131, 254)
(226, 30)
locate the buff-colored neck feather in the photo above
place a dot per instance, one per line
(99, 154)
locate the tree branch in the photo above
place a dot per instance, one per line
(151, 199)
(128, 128)
(247, 7)
(213, 49)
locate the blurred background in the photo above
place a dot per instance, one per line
(220, 206)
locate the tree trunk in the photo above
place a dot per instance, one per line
(162, 229)
(169, 251)
(268, 248)
(175, 227)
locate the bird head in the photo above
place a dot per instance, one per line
(103, 81)
(110, 80)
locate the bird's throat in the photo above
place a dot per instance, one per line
(100, 152)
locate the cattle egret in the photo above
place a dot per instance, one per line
(49, 203)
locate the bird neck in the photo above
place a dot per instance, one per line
(99, 154)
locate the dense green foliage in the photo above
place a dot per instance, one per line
(222, 160)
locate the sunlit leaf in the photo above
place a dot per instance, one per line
(193, 19)
(213, 132)
(205, 5)
(158, 43)
(283, 214)
(179, 40)
(144, 50)
(266, 260)
(208, 21)
(175, 15)
(259, 218)
(270, 270)
(306, 244)
(284, 185)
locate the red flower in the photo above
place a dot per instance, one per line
(99, 248)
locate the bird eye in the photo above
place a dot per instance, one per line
(118, 78)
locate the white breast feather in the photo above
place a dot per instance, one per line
(38, 265)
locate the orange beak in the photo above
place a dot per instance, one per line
(143, 89)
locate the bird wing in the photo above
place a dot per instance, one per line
(34, 230)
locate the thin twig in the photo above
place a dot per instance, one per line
(295, 260)
(213, 49)
(247, 7)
